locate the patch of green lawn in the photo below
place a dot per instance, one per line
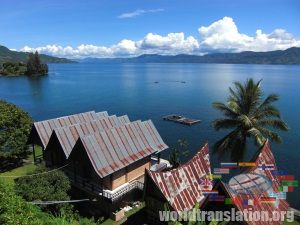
(22, 170)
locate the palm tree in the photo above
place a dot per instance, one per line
(249, 115)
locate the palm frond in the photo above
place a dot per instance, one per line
(274, 123)
(270, 134)
(225, 109)
(225, 123)
(267, 111)
(245, 121)
(258, 136)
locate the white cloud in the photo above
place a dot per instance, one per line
(138, 12)
(220, 36)
(223, 35)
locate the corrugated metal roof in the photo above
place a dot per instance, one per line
(118, 147)
(102, 114)
(68, 135)
(181, 186)
(265, 157)
(44, 128)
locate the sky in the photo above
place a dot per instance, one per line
(125, 28)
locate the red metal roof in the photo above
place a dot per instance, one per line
(264, 157)
(181, 186)
(46, 127)
(118, 147)
(68, 135)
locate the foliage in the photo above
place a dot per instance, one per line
(47, 186)
(248, 115)
(15, 125)
(177, 152)
(34, 65)
(12, 68)
(14, 211)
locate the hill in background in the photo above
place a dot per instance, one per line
(7, 55)
(288, 56)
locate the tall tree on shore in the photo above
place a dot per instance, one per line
(15, 125)
(248, 115)
(34, 65)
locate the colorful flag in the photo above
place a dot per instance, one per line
(267, 200)
(228, 201)
(216, 198)
(247, 164)
(229, 165)
(266, 166)
(206, 184)
(248, 202)
(286, 177)
(279, 172)
(221, 170)
(290, 183)
(214, 176)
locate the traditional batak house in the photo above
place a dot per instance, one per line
(112, 163)
(64, 138)
(178, 189)
(251, 183)
(104, 156)
(41, 131)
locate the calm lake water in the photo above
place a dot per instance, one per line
(187, 89)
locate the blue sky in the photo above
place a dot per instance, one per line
(100, 26)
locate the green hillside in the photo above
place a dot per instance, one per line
(7, 55)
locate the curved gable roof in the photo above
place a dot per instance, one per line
(265, 156)
(182, 186)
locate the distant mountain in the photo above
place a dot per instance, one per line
(7, 55)
(288, 56)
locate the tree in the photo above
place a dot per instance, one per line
(248, 115)
(15, 125)
(34, 65)
(47, 186)
(177, 152)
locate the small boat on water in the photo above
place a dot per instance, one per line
(181, 119)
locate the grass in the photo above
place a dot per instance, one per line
(22, 170)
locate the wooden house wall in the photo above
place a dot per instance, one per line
(34, 138)
(54, 154)
(84, 168)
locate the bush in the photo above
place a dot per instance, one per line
(52, 186)
(14, 210)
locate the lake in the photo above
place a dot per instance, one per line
(151, 91)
